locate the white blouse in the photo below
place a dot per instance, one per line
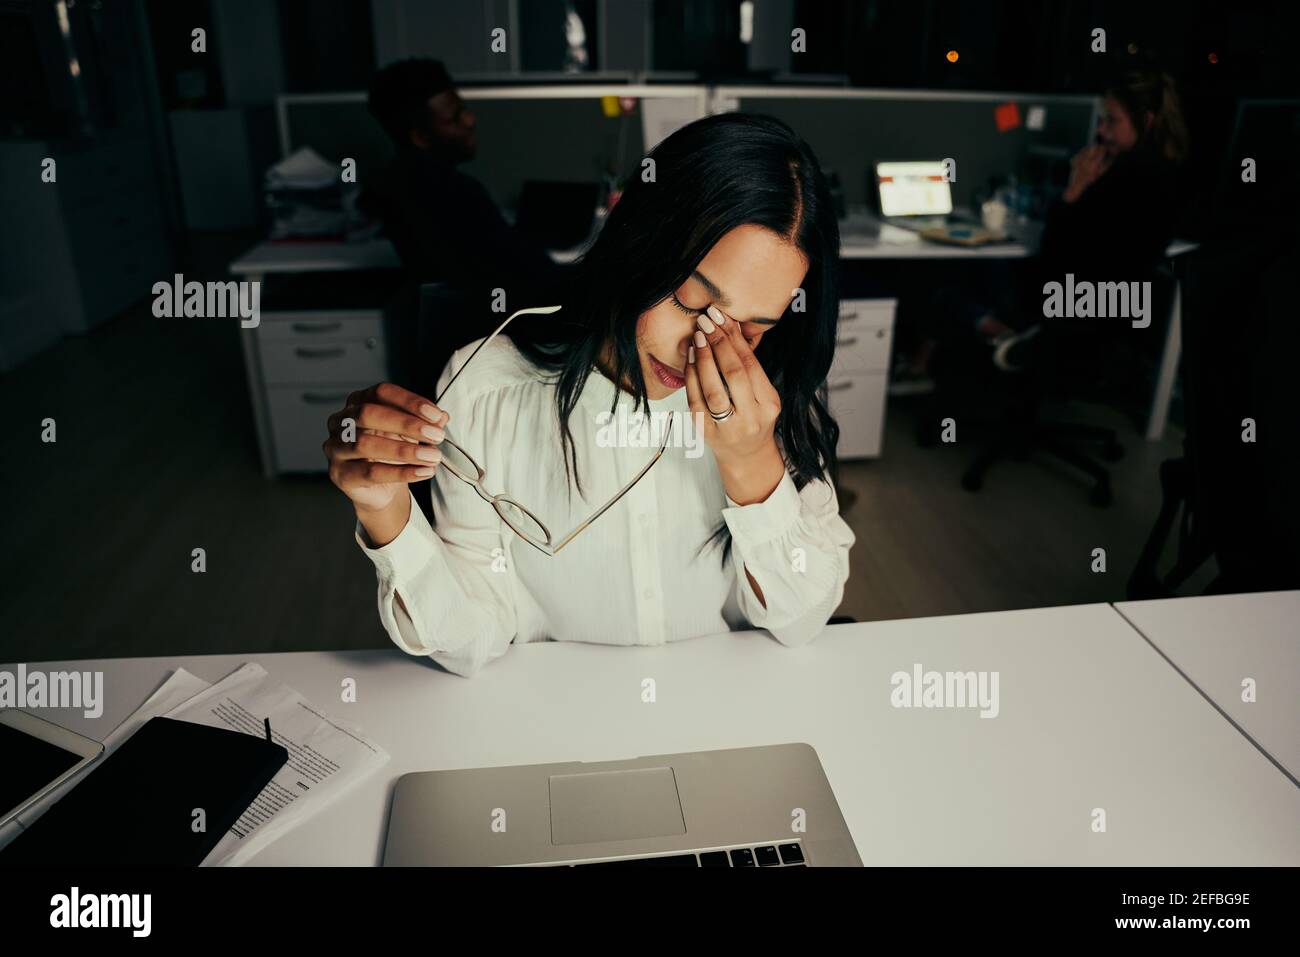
(463, 593)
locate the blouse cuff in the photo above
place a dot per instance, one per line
(407, 554)
(763, 521)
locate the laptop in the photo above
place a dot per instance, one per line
(557, 215)
(916, 195)
(746, 807)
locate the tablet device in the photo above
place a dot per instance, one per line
(35, 758)
(165, 797)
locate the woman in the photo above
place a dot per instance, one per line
(1117, 213)
(1112, 223)
(710, 294)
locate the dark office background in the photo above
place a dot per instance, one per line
(171, 458)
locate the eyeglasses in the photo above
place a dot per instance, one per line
(519, 519)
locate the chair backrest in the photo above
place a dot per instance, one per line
(443, 327)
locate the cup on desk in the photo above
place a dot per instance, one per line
(993, 213)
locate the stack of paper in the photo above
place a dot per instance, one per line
(308, 198)
(326, 757)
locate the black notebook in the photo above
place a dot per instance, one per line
(137, 807)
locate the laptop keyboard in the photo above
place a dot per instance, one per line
(753, 855)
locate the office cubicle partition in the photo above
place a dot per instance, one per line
(524, 132)
(850, 130)
(560, 131)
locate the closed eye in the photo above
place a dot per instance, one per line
(684, 308)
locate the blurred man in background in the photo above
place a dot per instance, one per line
(444, 225)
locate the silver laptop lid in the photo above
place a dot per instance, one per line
(659, 805)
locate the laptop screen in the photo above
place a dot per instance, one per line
(913, 189)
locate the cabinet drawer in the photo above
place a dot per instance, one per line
(299, 423)
(879, 312)
(316, 325)
(861, 347)
(857, 402)
(294, 362)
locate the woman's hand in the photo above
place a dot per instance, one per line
(722, 372)
(1087, 166)
(383, 439)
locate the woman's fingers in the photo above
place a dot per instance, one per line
(363, 473)
(713, 389)
(378, 448)
(390, 408)
(760, 385)
(386, 393)
(371, 416)
(722, 374)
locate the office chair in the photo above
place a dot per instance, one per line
(1234, 500)
(1094, 360)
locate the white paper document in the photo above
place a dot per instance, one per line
(326, 756)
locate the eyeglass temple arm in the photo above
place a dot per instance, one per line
(623, 491)
(531, 310)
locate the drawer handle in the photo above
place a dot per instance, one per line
(848, 315)
(306, 353)
(880, 333)
(851, 340)
(839, 386)
(317, 326)
(324, 398)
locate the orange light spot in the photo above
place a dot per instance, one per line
(1214, 58)
(952, 56)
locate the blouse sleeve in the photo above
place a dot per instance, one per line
(796, 547)
(449, 594)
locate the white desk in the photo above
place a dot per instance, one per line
(288, 257)
(1090, 717)
(1218, 641)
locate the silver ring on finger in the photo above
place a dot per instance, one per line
(722, 416)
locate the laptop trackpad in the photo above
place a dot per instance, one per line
(615, 806)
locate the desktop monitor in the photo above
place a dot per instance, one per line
(913, 189)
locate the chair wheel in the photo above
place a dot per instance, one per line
(1101, 495)
(1112, 451)
(972, 482)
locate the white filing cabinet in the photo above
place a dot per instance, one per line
(309, 363)
(859, 376)
(302, 359)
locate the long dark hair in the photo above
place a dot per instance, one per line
(1149, 90)
(709, 177)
